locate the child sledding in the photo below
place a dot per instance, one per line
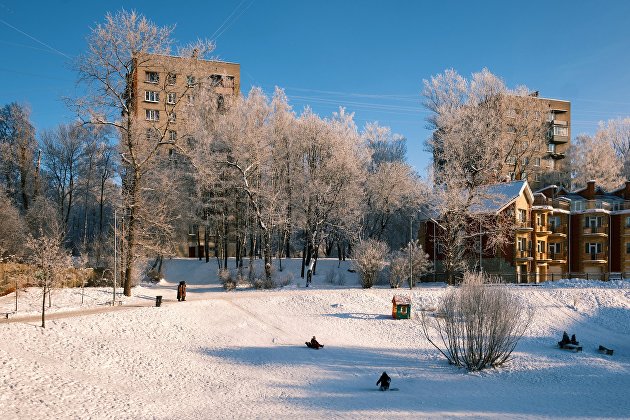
(569, 343)
(314, 344)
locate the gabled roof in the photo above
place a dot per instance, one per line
(497, 197)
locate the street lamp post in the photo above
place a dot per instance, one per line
(115, 254)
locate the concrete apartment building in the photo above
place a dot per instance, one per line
(557, 234)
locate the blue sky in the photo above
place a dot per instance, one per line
(370, 56)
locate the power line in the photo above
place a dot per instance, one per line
(235, 19)
(35, 39)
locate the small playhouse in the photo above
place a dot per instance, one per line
(401, 307)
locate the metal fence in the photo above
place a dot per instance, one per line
(529, 278)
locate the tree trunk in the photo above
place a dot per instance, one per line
(131, 233)
(44, 308)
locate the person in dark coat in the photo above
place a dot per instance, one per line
(181, 291)
(313, 344)
(565, 339)
(384, 380)
(574, 340)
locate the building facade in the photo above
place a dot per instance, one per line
(557, 234)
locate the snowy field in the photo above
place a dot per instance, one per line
(241, 354)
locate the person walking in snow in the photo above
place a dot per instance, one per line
(181, 291)
(384, 380)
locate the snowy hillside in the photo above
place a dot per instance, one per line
(241, 354)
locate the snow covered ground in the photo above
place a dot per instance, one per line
(241, 354)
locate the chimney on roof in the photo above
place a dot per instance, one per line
(534, 94)
(590, 190)
(195, 53)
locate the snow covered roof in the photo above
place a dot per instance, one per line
(497, 197)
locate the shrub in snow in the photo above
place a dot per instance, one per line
(227, 280)
(369, 260)
(286, 280)
(478, 324)
(335, 277)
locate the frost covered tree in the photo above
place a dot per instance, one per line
(333, 161)
(51, 261)
(594, 158)
(12, 227)
(117, 49)
(19, 158)
(409, 264)
(393, 191)
(494, 130)
(478, 324)
(617, 133)
(369, 258)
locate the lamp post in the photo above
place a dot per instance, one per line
(115, 254)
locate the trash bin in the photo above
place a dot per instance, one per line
(158, 301)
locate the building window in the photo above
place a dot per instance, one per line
(171, 79)
(628, 221)
(521, 244)
(560, 131)
(215, 80)
(191, 81)
(172, 117)
(152, 115)
(151, 96)
(522, 215)
(172, 135)
(627, 247)
(578, 205)
(524, 145)
(171, 97)
(151, 76)
(551, 147)
(555, 248)
(152, 134)
(593, 248)
(510, 160)
(537, 161)
(540, 246)
(593, 221)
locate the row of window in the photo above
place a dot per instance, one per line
(216, 80)
(154, 115)
(152, 96)
(154, 134)
(556, 247)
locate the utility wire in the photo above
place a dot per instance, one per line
(35, 39)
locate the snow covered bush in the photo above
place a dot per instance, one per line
(368, 260)
(478, 324)
(399, 269)
(227, 280)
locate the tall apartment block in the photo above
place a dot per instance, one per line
(543, 156)
(165, 91)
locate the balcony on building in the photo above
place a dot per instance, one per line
(558, 257)
(543, 229)
(524, 225)
(558, 230)
(542, 257)
(524, 255)
(595, 257)
(601, 231)
(559, 131)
